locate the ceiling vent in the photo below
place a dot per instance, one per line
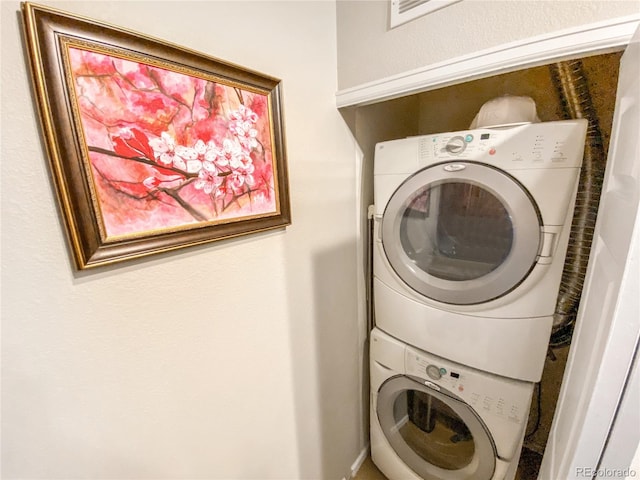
(404, 10)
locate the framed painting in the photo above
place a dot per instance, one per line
(153, 147)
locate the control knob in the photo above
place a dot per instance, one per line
(434, 372)
(456, 145)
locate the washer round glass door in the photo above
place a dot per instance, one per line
(461, 233)
(434, 433)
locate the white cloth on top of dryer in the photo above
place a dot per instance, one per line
(506, 110)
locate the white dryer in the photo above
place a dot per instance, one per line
(434, 419)
(471, 235)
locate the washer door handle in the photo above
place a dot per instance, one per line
(432, 385)
(454, 167)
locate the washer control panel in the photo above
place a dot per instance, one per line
(501, 397)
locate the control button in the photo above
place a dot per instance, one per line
(443, 371)
(434, 372)
(468, 138)
(456, 145)
(492, 151)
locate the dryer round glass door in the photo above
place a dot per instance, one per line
(461, 233)
(434, 433)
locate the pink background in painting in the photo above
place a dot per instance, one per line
(125, 108)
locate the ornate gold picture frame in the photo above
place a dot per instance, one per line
(153, 147)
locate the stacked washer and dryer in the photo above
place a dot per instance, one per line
(470, 235)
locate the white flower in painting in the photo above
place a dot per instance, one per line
(242, 163)
(208, 179)
(190, 158)
(244, 114)
(241, 125)
(229, 154)
(164, 148)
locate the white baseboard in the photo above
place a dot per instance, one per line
(359, 461)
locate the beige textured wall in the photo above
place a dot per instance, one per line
(233, 360)
(368, 50)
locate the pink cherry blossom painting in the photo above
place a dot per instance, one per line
(168, 150)
(153, 147)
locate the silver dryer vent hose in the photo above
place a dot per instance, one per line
(573, 89)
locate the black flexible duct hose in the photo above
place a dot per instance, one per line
(573, 89)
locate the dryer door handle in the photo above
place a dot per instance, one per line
(550, 235)
(377, 227)
(548, 244)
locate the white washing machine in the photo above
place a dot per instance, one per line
(433, 419)
(471, 230)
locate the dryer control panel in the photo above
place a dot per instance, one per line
(532, 145)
